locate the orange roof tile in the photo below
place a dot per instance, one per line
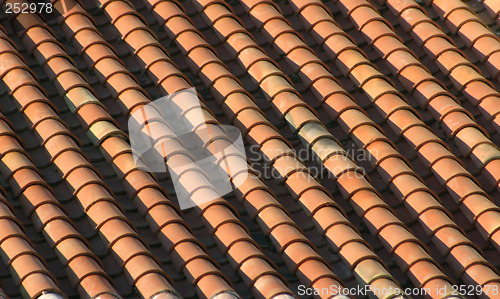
(389, 79)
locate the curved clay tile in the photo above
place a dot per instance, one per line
(418, 211)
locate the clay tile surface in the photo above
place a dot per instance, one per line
(371, 135)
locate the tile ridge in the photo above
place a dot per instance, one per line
(26, 266)
(394, 168)
(250, 119)
(429, 92)
(391, 103)
(162, 215)
(297, 120)
(451, 61)
(277, 227)
(48, 215)
(217, 212)
(81, 178)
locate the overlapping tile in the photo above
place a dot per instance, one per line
(240, 107)
(451, 61)
(26, 266)
(426, 89)
(432, 151)
(281, 230)
(46, 212)
(461, 20)
(148, 196)
(414, 200)
(219, 229)
(84, 181)
(116, 41)
(236, 29)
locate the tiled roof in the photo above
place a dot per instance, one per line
(413, 85)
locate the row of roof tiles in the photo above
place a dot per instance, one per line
(83, 180)
(117, 150)
(452, 61)
(221, 219)
(287, 164)
(392, 165)
(226, 37)
(222, 222)
(49, 217)
(426, 89)
(284, 50)
(254, 125)
(433, 151)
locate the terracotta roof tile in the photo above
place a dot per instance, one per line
(395, 113)
(134, 188)
(275, 165)
(25, 265)
(416, 210)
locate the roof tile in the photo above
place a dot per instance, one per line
(281, 66)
